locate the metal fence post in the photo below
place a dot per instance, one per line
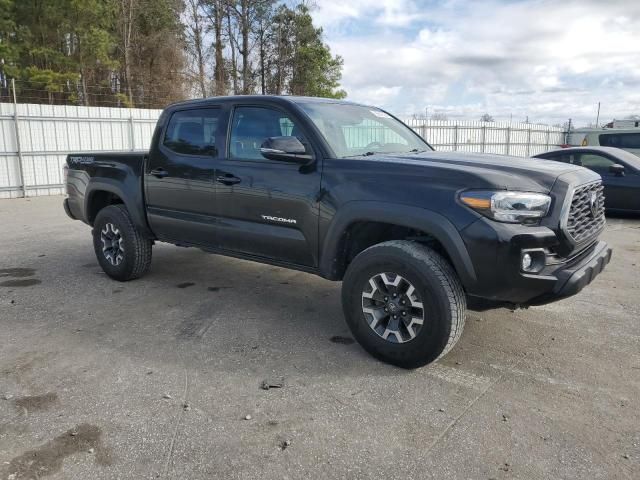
(528, 141)
(132, 135)
(23, 182)
(455, 139)
(484, 137)
(508, 142)
(548, 135)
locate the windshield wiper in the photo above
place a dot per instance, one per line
(415, 150)
(366, 154)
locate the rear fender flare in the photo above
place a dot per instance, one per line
(135, 206)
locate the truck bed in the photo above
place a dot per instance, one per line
(117, 172)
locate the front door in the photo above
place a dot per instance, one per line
(179, 178)
(266, 208)
(619, 190)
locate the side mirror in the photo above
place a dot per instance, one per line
(285, 149)
(617, 169)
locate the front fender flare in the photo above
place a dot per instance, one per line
(417, 218)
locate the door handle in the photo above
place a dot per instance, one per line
(159, 173)
(227, 179)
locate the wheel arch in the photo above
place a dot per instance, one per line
(105, 192)
(334, 256)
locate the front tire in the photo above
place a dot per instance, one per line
(404, 303)
(122, 251)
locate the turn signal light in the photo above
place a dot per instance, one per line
(476, 203)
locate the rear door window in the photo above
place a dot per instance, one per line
(620, 140)
(193, 132)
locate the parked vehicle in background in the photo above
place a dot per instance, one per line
(625, 123)
(625, 138)
(352, 194)
(619, 169)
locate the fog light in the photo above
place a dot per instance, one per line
(527, 261)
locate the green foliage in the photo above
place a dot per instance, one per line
(134, 52)
(302, 60)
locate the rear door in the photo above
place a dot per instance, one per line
(179, 178)
(266, 208)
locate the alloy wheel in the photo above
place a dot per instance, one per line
(392, 307)
(112, 244)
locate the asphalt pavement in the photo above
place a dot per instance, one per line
(212, 367)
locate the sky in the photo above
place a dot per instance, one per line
(545, 60)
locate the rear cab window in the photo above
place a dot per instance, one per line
(193, 132)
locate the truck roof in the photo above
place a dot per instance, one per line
(273, 98)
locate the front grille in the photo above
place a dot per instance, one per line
(586, 216)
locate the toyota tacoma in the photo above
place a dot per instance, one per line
(350, 193)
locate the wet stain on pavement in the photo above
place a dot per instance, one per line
(185, 285)
(47, 459)
(17, 272)
(216, 289)
(90, 265)
(27, 282)
(342, 340)
(34, 403)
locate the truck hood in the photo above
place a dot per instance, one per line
(499, 170)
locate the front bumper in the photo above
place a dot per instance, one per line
(574, 278)
(496, 249)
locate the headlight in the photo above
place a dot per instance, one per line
(511, 207)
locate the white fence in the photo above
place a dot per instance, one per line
(35, 139)
(34, 143)
(502, 138)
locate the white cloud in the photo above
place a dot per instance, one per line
(538, 58)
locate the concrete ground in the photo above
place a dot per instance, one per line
(161, 377)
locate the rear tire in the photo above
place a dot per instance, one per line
(418, 286)
(122, 251)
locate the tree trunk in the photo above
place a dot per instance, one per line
(85, 94)
(262, 74)
(219, 58)
(279, 62)
(234, 65)
(244, 22)
(127, 31)
(198, 46)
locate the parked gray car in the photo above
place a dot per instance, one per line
(619, 169)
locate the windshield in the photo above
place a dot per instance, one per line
(354, 130)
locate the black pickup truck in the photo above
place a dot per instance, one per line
(350, 193)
